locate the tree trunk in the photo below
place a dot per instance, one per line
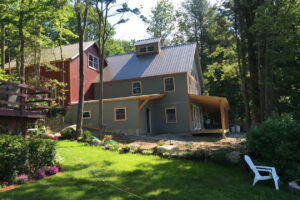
(62, 122)
(22, 41)
(2, 45)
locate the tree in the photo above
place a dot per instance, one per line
(81, 10)
(162, 20)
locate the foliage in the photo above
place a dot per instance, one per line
(219, 156)
(22, 179)
(53, 170)
(13, 156)
(41, 152)
(40, 174)
(124, 149)
(147, 152)
(86, 137)
(162, 19)
(276, 143)
(160, 142)
(68, 134)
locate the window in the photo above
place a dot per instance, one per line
(171, 115)
(143, 49)
(151, 48)
(136, 87)
(169, 85)
(87, 115)
(93, 62)
(120, 114)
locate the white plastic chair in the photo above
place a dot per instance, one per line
(256, 169)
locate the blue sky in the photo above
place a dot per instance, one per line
(135, 28)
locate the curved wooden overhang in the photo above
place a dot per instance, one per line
(140, 97)
(210, 103)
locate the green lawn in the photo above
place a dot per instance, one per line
(90, 171)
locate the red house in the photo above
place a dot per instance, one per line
(52, 57)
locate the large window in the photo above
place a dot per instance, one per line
(171, 115)
(93, 62)
(87, 115)
(120, 114)
(136, 87)
(151, 48)
(169, 84)
(143, 49)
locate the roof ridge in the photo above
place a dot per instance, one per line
(148, 39)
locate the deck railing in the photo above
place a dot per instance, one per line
(21, 100)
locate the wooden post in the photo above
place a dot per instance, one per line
(223, 119)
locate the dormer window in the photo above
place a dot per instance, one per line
(151, 48)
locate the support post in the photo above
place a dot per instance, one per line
(223, 120)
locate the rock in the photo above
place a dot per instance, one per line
(234, 157)
(135, 147)
(167, 148)
(96, 142)
(47, 136)
(294, 186)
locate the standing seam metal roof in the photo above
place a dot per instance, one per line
(172, 59)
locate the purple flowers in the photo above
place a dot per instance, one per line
(23, 178)
(53, 170)
(40, 174)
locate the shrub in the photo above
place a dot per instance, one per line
(22, 179)
(124, 149)
(86, 137)
(68, 134)
(219, 156)
(13, 156)
(40, 174)
(53, 170)
(160, 142)
(41, 153)
(147, 152)
(276, 142)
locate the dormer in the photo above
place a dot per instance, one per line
(148, 46)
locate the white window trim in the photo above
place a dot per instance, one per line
(169, 91)
(141, 88)
(166, 118)
(89, 111)
(115, 114)
(93, 59)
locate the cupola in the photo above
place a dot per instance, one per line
(148, 46)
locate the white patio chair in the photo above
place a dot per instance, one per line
(256, 169)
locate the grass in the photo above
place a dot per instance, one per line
(93, 173)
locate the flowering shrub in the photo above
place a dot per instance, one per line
(60, 167)
(55, 138)
(23, 178)
(52, 170)
(108, 137)
(160, 142)
(4, 185)
(40, 174)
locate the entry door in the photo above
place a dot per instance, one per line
(196, 117)
(149, 126)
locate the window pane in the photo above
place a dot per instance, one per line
(171, 115)
(136, 87)
(151, 48)
(86, 114)
(142, 49)
(169, 84)
(120, 114)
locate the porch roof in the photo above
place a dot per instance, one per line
(139, 97)
(210, 103)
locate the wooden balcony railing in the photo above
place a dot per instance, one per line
(20, 100)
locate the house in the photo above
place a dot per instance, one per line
(153, 90)
(52, 57)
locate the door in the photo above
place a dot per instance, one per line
(196, 118)
(149, 126)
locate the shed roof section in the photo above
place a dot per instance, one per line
(170, 60)
(51, 54)
(147, 41)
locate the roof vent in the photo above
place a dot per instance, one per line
(148, 46)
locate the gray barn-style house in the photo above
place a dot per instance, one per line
(152, 91)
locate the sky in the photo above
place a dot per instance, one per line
(135, 28)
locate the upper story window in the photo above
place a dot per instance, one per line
(169, 84)
(171, 115)
(151, 48)
(87, 115)
(93, 62)
(143, 49)
(120, 114)
(136, 87)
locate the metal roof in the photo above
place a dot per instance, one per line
(147, 41)
(172, 59)
(51, 54)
